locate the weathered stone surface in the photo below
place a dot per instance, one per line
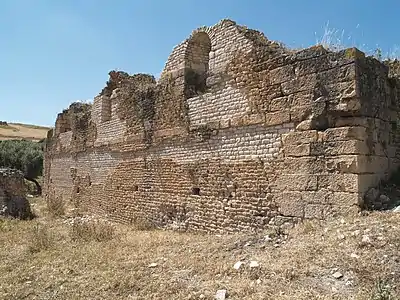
(12, 195)
(238, 133)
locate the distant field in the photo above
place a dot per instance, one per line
(14, 131)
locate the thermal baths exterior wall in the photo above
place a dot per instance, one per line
(238, 133)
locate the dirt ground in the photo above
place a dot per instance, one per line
(88, 258)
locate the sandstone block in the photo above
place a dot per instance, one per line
(314, 211)
(296, 182)
(297, 150)
(277, 118)
(304, 165)
(300, 84)
(345, 133)
(339, 182)
(339, 148)
(344, 198)
(281, 74)
(290, 204)
(300, 113)
(315, 197)
(278, 104)
(300, 137)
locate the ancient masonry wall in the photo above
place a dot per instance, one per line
(238, 133)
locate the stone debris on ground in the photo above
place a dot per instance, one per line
(254, 264)
(337, 275)
(221, 295)
(238, 265)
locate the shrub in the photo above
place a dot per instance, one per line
(23, 155)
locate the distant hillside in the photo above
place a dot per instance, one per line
(17, 131)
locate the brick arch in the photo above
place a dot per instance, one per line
(197, 52)
(197, 57)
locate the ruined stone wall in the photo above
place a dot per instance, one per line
(238, 133)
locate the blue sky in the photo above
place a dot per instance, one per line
(54, 52)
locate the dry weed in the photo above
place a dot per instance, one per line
(39, 239)
(383, 291)
(142, 224)
(84, 229)
(56, 206)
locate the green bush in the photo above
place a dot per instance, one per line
(24, 155)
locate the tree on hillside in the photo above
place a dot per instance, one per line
(26, 156)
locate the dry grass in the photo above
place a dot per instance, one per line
(39, 238)
(89, 229)
(55, 206)
(133, 264)
(23, 131)
(335, 40)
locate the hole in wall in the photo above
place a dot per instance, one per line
(135, 188)
(78, 190)
(196, 191)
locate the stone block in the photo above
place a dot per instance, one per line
(277, 118)
(345, 133)
(291, 150)
(281, 74)
(290, 204)
(343, 164)
(300, 84)
(300, 137)
(296, 182)
(305, 165)
(340, 148)
(278, 104)
(300, 113)
(339, 182)
(314, 211)
(301, 99)
(344, 198)
(315, 197)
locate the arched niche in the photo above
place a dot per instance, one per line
(197, 58)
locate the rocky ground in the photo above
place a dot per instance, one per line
(87, 258)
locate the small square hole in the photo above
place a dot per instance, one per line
(135, 188)
(196, 191)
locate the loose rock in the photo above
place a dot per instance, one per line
(153, 265)
(254, 264)
(337, 275)
(220, 295)
(238, 265)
